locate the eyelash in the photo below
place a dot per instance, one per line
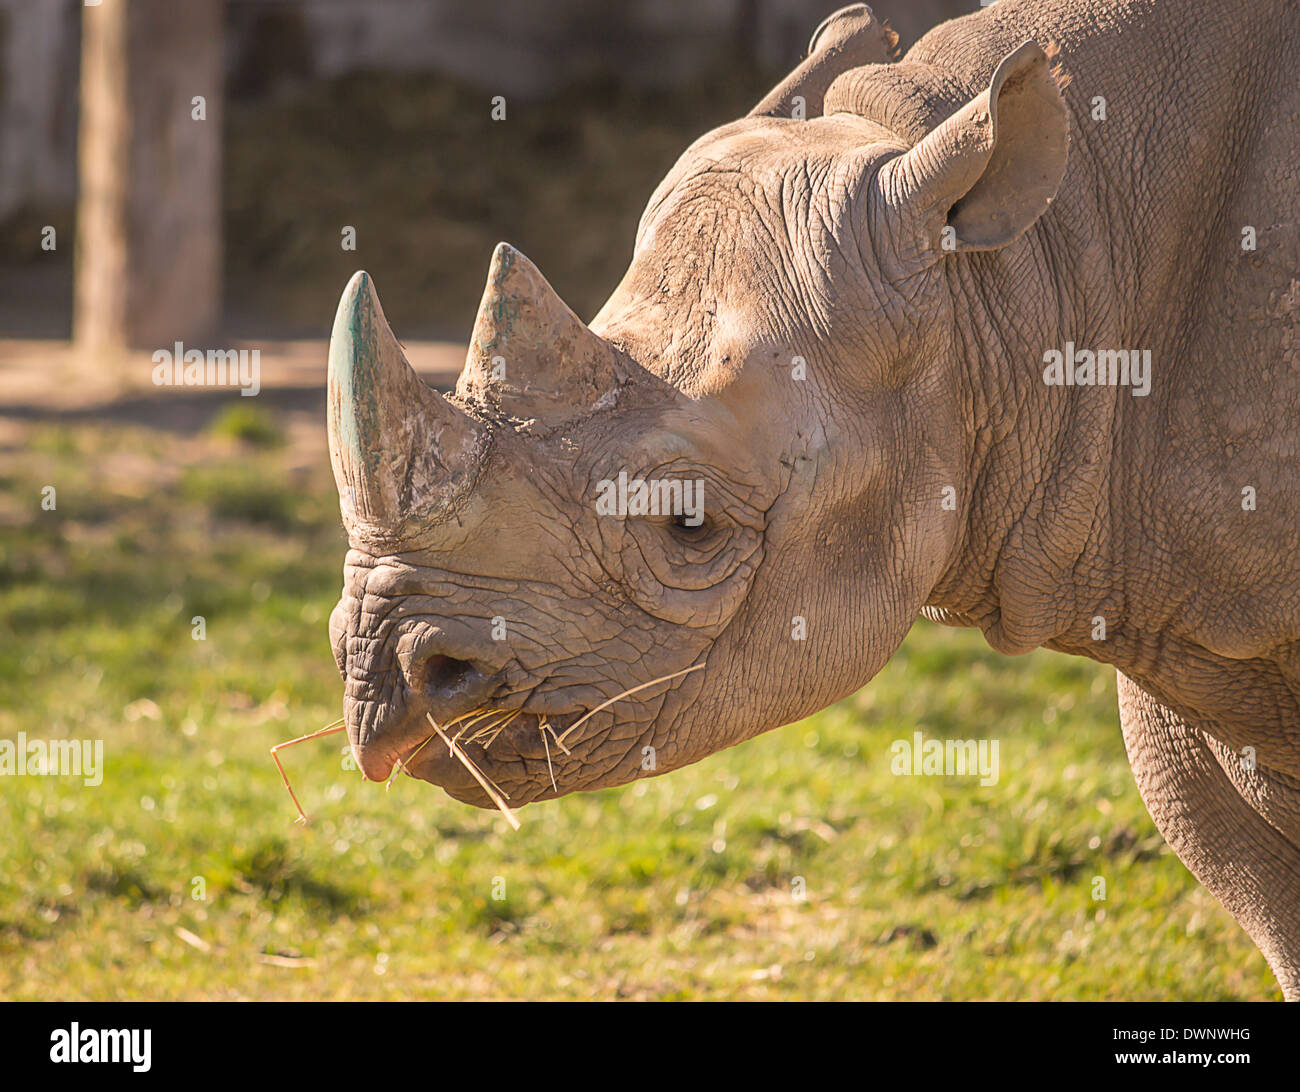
(679, 526)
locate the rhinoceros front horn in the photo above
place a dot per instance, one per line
(402, 454)
(530, 356)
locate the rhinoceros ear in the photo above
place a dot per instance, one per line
(529, 355)
(982, 177)
(401, 453)
(853, 36)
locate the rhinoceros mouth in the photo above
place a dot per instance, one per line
(483, 731)
(502, 761)
(505, 735)
(499, 738)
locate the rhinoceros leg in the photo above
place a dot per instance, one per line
(1233, 824)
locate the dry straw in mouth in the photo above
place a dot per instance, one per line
(471, 726)
(488, 787)
(328, 730)
(619, 697)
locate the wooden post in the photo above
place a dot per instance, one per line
(148, 261)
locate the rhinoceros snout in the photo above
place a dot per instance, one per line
(387, 715)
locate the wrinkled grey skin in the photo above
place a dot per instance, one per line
(824, 239)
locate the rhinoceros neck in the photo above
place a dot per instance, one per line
(1165, 104)
(1077, 495)
(1037, 545)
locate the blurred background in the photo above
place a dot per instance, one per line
(322, 114)
(169, 557)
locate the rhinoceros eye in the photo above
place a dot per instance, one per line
(685, 527)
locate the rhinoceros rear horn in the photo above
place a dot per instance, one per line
(529, 355)
(401, 452)
(849, 38)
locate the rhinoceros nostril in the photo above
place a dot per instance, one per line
(449, 684)
(442, 674)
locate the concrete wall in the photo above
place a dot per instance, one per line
(527, 47)
(39, 50)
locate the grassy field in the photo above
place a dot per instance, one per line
(685, 886)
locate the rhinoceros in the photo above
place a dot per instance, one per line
(1005, 333)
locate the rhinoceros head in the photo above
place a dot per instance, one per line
(740, 466)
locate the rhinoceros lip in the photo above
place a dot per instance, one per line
(431, 754)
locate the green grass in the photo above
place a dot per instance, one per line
(678, 887)
(247, 424)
